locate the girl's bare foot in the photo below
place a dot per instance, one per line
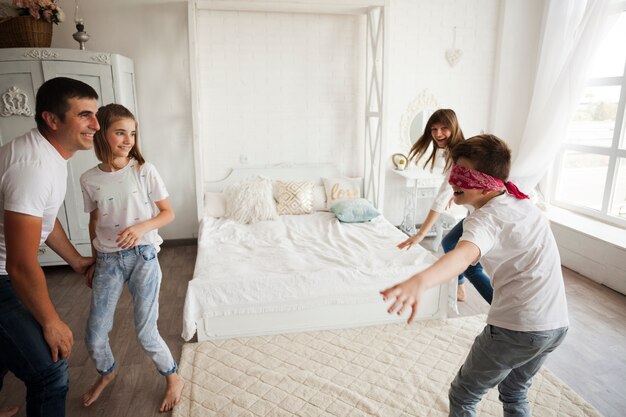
(460, 292)
(8, 412)
(173, 392)
(94, 392)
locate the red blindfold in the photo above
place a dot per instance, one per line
(470, 179)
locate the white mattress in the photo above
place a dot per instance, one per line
(294, 263)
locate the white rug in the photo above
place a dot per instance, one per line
(393, 370)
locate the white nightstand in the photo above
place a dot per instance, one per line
(421, 184)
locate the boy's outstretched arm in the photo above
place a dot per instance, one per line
(408, 293)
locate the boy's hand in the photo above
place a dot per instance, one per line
(417, 238)
(406, 294)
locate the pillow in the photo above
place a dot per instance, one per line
(250, 201)
(356, 210)
(214, 204)
(295, 197)
(338, 189)
(319, 198)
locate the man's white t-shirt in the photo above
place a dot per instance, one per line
(33, 181)
(123, 198)
(518, 251)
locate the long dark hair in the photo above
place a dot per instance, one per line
(444, 117)
(107, 115)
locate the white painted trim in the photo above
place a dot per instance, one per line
(285, 171)
(382, 156)
(195, 107)
(375, 104)
(352, 7)
(433, 305)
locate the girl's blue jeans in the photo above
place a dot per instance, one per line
(474, 273)
(24, 352)
(139, 268)
(505, 358)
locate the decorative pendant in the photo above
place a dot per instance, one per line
(453, 55)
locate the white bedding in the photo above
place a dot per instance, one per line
(294, 263)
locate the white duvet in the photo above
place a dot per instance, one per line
(293, 263)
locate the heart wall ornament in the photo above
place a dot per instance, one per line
(453, 55)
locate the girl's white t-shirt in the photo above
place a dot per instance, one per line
(518, 251)
(123, 198)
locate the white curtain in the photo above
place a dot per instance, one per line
(572, 31)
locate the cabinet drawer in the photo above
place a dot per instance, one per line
(47, 256)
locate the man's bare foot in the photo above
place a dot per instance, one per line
(94, 392)
(8, 412)
(173, 392)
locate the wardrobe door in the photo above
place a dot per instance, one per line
(19, 81)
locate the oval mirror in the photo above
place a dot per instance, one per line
(414, 118)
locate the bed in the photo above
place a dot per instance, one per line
(299, 272)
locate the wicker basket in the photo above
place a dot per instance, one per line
(25, 32)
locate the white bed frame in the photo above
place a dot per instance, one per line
(432, 306)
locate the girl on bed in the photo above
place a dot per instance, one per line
(119, 195)
(443, 132)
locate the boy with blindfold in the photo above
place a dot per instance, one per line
(512, 239)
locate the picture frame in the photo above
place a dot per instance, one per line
(400, 161)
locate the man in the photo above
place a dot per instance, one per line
(34, 341)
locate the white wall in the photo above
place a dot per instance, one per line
(597, 251)
(280, 87)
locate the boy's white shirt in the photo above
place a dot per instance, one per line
(31, 163)
(519, 253)
(123, 198)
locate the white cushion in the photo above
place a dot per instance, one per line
(319, 198)
(338, 189)
(250, 201)
(295, 197)
(214, 204)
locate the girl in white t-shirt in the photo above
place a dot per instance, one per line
(442, 131)
(127, 202)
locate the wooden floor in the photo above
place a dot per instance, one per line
(592, 359)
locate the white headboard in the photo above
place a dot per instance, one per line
(285, 171)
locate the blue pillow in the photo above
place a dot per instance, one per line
(355, 210)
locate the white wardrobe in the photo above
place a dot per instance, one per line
(22, 71)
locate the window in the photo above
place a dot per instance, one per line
(591, 168)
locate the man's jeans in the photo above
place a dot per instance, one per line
(139, 267)
(474, 273)
(24, 351)
(505, 358)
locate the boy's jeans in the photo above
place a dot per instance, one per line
(474, 273)
(139, 267)
(24, 351)
(505, 358)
